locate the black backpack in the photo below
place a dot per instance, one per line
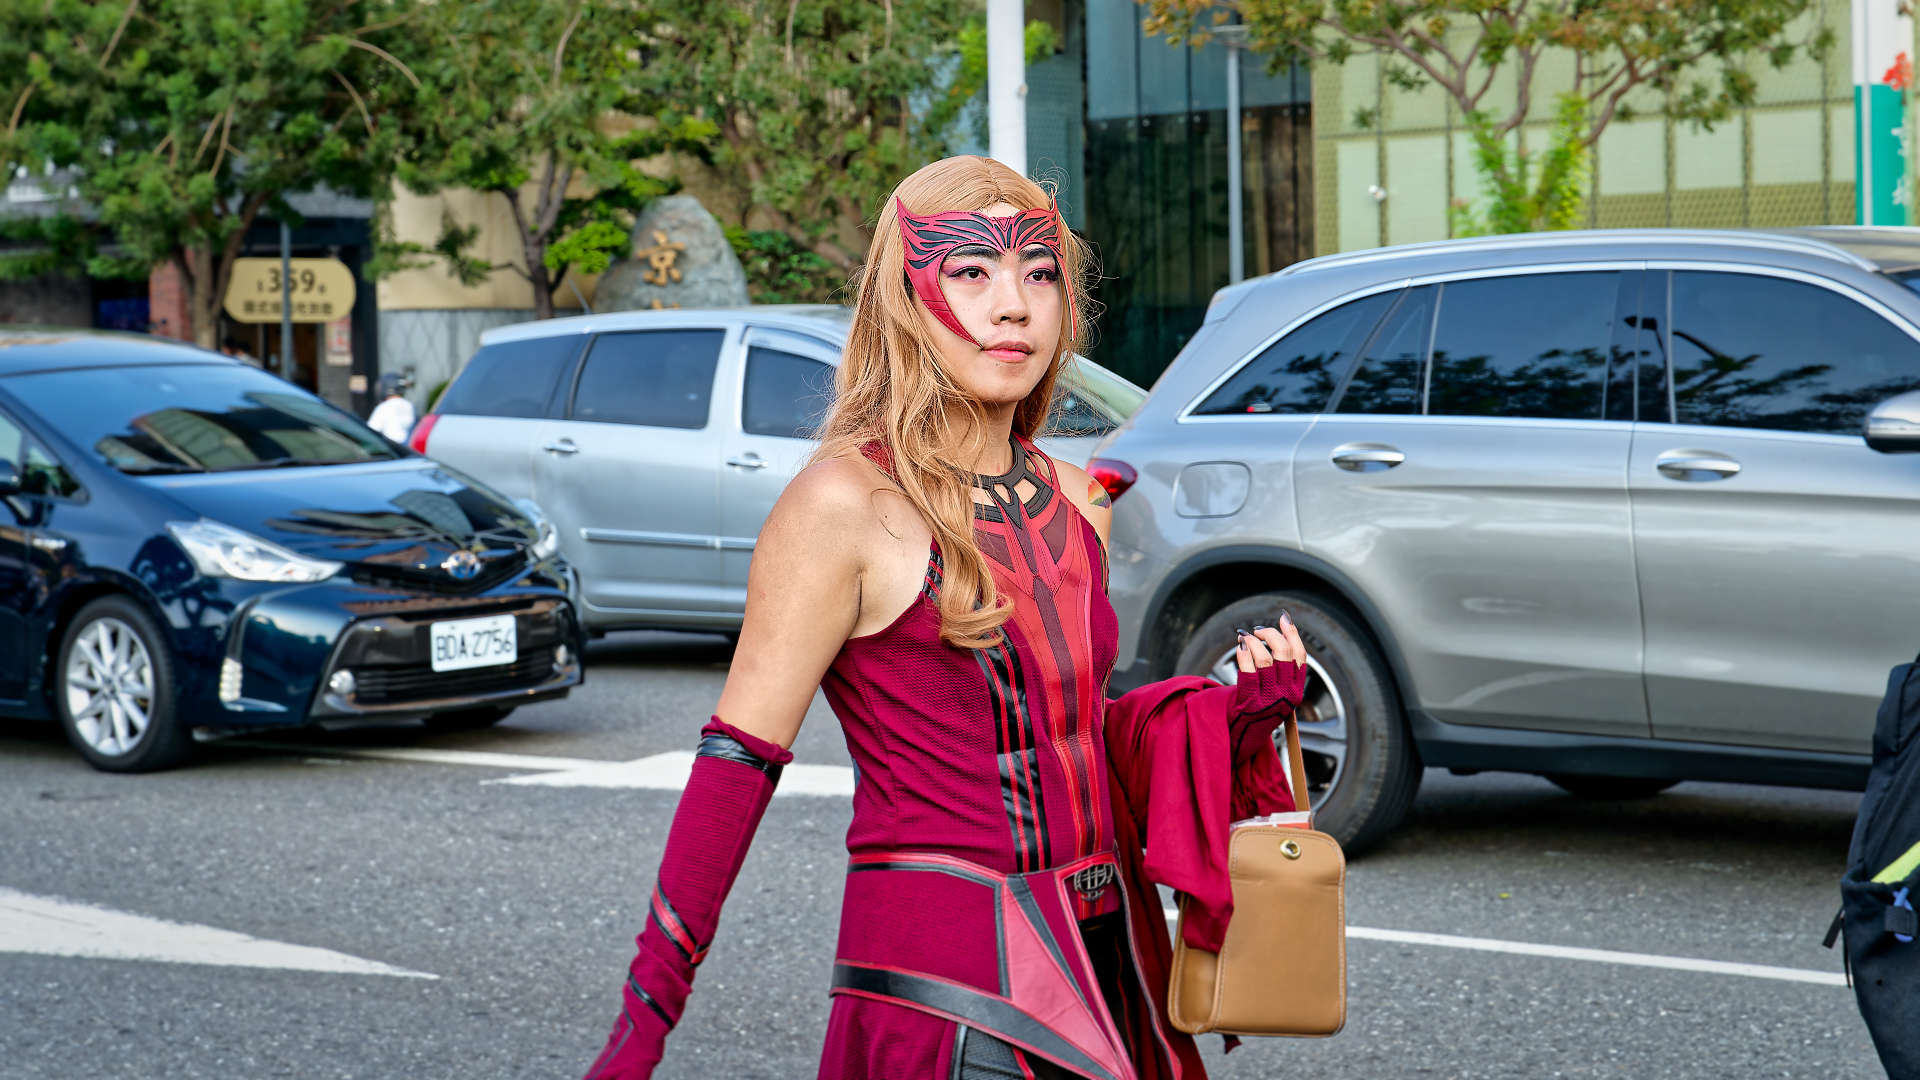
(1882, 955)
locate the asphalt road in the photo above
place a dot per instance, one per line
(521, 900)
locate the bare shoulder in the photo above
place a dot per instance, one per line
(839, 500)
(1087, 496)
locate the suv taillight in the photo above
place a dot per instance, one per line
(1115, 476)
(417, 441)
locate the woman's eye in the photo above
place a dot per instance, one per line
(968, 273)
(1046, 275)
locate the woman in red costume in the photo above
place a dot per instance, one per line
(944, 581)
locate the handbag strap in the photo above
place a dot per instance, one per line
(1296, 764)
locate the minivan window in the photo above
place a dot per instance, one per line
(39, 473)
(1297, 373)
(786, 395)
(1523, 345)
(1752, 350)
(654, 378)
(197, 418)
(1389, 377)
(511, 378)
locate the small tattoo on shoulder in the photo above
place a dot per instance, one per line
(1097, 495)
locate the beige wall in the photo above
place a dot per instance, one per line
(417, 218)
(1787, 160)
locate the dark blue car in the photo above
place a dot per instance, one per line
(189, 542)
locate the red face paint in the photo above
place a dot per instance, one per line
(930, 240)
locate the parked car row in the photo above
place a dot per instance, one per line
(189, 542)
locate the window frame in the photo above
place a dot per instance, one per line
(776, 339)
(1670, 266)
(1628, 292)
(1187, 415)
(555, 407)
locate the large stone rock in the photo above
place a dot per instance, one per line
(680, 259)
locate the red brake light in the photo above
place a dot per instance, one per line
(1115, 476)
(417, 441)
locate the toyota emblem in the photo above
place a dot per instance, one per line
(462, 565)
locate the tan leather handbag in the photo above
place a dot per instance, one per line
(1282, 969)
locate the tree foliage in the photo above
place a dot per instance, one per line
(1695, 53)
(181, 121)
(535, 102)
(1527, 192)
(820, 107)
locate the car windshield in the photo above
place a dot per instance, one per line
(197, 418)
(1117, 396)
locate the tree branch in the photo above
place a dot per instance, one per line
(560, 50)
(388, 57)
(125, 17)
(224, 145)
(365, 116)
(19, 107)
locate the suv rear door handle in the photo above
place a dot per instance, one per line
(1367, 457)
(1695, 465)
(748, 460)
(562, 446)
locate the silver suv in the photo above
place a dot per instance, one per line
(657, 441)
(1595, 506)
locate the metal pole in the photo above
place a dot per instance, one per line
(1236, 216)
(1006, 84)
(286, 301)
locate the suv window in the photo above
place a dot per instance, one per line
(1751, 350)
(1392, 368)
(786, 395)
(512, 378)
(1523, 345)
(1297, 373)
(654, 378)
(40, 474)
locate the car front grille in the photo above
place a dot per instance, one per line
(493, 571)
(400, 684)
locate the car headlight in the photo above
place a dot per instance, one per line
(546, 540)
(223, 551)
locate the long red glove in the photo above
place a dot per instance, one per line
(1262, 700)
(734, 775)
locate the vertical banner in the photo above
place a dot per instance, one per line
(1882, 74)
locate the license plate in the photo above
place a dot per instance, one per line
(469, 643)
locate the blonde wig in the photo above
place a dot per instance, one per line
(892, 387)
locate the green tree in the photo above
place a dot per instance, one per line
(533, 101)
(821, 107)
(182, 121)
(1695, 52)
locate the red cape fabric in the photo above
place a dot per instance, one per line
(1175, 793)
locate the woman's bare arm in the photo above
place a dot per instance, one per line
(1087, 496)
(803, 598)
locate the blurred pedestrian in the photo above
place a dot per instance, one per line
(944, 581)
(232, 347)
(393, 417)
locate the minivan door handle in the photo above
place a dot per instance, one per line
(1695, 466)
(1367, 457)
(561, 446)
(748, 460)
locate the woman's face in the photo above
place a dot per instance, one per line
(1012, 302)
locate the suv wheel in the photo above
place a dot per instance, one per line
(113, 689)
(1611, 787)
(1362, 767)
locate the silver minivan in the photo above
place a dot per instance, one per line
(1592, 505)
(657, 442)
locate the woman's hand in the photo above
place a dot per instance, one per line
(1273, 681)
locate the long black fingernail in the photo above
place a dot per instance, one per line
(1259, 626)
(1240, 630)
(1284, 616)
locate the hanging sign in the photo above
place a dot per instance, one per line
(322, 290)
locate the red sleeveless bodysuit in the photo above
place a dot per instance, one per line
(983, 929)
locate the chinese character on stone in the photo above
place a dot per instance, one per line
(660, 258)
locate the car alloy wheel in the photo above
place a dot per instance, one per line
(114, 688)
(109, 686)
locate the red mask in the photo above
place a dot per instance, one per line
(930, 240)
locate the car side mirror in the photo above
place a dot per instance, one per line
(1893, 427)
(9, 478)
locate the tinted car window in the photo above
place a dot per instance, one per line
(39, 473)
(512, 378)
(786, 395)
(1297, 373)
(197, 418)
(656, 378)
(1525, 345)
(1767, 352)
(1392, 367)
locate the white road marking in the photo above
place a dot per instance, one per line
(661, 772)
(1598, 956)
(44, 926)
(669, 772)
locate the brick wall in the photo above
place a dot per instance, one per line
(167, 301)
